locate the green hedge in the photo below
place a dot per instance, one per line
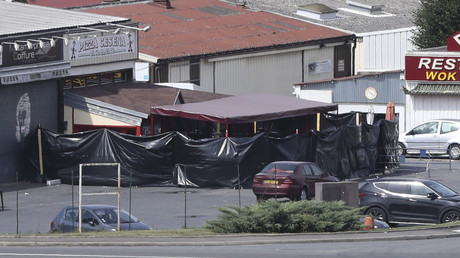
(287, 217)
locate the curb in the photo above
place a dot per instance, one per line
(233, 240)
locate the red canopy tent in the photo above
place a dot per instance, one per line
(245, 109)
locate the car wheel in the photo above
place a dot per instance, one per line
(454, 151)
(377, 213)
(401, 149)
(303, 194)
(451, 216)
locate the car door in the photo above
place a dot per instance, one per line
(448, 131)
(69, 221)
(309, 179)
(423, 209)
(396, 199)
(423, 137)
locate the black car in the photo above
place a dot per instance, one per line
(399, 200)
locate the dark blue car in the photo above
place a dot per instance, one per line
(409, 200)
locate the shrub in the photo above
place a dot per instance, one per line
(287, 217)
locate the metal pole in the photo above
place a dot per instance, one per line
(73, 203)
(79, 198)
(239, 186)
(17, 203)
(185, 197)
(130, 183)
(275, 182)
(119, 201)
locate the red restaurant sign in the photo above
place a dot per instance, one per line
(430, 68)
(436, 68)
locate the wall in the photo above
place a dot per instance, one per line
(421, 108)
(383, 50)
(29, 105)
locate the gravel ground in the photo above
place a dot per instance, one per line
(401, 11)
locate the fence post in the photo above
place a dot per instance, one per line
(130, 184)
(17, 203)
(239, 185)
(185, 197)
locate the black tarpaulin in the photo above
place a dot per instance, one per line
(245, 109)
(348, 152)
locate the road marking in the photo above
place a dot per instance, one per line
(84, 255)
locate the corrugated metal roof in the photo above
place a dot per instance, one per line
(434, 89)
(204, 33)
(17, 18)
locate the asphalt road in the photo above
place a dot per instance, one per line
(29, 208)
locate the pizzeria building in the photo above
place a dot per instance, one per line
(433, 83)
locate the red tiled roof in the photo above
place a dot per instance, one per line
(186, 30)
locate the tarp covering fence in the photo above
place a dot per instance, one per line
(347, 152)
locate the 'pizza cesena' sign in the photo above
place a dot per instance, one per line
(444, 67)
(102, 46)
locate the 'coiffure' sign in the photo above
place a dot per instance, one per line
(23, 55)
(442, 66)
(102, 46)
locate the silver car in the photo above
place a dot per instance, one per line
(95, 218)
(432, 137)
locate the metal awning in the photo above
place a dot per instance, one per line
(434, 89)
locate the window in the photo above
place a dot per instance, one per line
(316, 170)
(195, 71)
(419, 189)
(397, 187)
(447, 127)
(95, 79)
(426, 128)
(306, 171)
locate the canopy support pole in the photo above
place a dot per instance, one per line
(226, 129)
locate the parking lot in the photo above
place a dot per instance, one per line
(30, 207)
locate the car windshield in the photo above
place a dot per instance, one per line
(442, 190)
(279, 168)
(109, 216)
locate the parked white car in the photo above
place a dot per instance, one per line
(433, 137)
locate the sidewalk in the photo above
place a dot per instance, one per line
(235, 239)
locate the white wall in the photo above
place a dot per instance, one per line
(421, 108)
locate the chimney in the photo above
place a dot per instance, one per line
(164, 3)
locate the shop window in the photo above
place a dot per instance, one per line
(95, 80)
(92, 80)
(106, 78)
(120, 77)
(78, 82)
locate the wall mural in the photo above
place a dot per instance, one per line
(23, 117)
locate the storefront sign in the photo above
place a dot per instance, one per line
(430, 68)
(324, 66)
(23, 55)
(453, 42)
(34, 76)
(102, 46)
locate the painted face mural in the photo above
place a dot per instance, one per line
(23, 117)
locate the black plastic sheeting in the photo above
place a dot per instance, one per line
(348, 152)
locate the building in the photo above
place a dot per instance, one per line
(432, 86)
(383, 32)
(383, 28)
(229, 49)
(39, 60)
